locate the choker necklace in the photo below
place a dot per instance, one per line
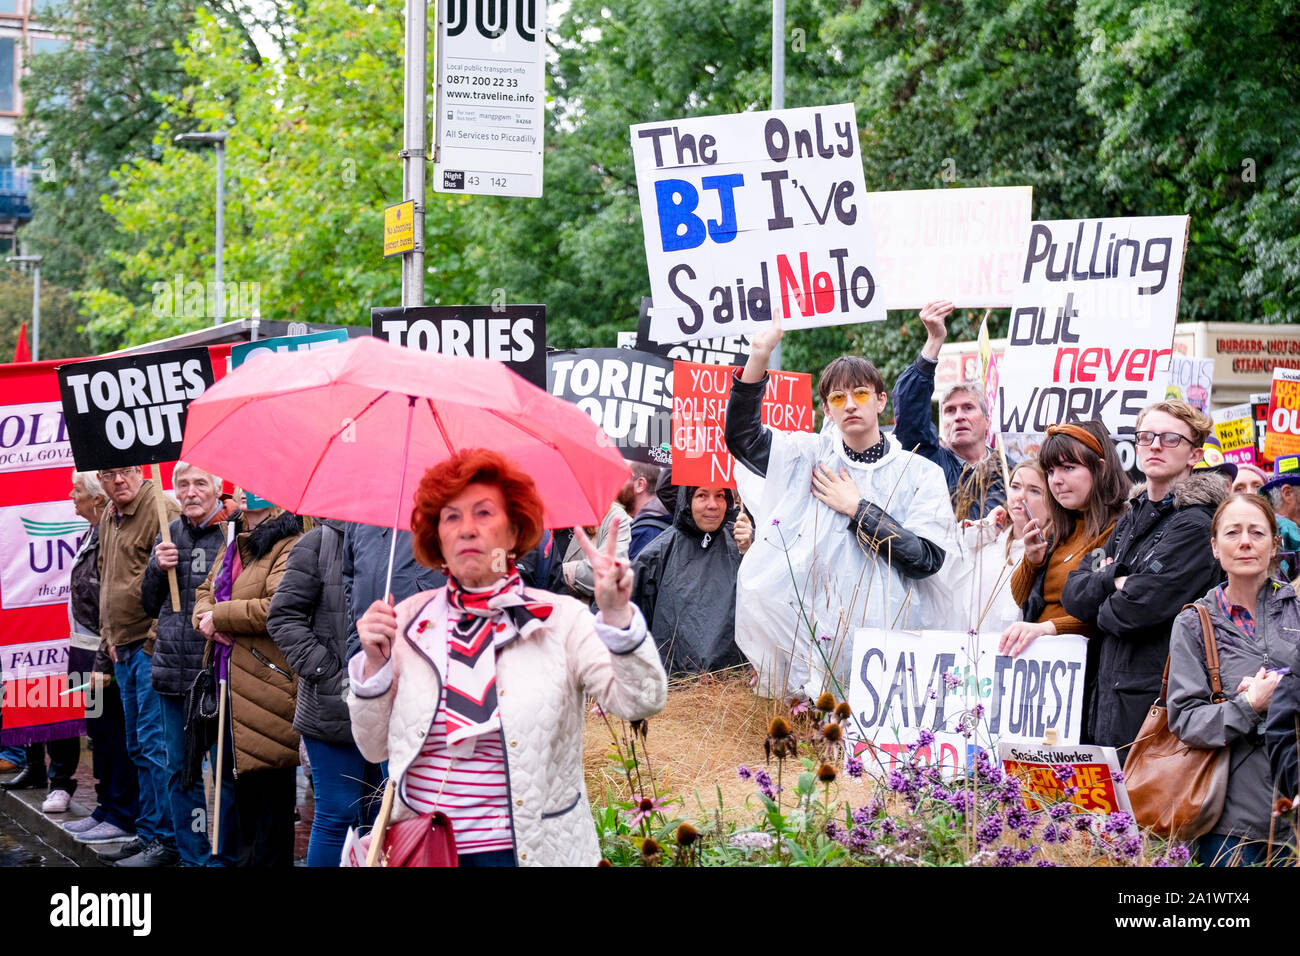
(871, 455)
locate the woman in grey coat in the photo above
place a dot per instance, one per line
(1256, 628)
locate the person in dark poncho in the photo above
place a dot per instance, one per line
(686, 584)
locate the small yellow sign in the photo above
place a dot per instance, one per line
(399, 228)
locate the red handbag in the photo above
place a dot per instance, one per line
(426, 840)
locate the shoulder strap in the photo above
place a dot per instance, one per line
(1211, 653)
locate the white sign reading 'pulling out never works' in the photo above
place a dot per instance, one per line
(491, 97)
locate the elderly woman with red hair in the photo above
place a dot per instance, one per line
(475, 692)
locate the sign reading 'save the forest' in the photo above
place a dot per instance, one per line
(131, 410)
(1093, 322)
(755, 212)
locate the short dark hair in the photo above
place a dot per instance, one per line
(847, 372)
(1110, 485)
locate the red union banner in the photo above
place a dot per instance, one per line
(700, 394)
(40, 533)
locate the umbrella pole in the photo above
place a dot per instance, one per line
(401, 493)
(380, 829)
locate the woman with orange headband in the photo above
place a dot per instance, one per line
(1088, 491)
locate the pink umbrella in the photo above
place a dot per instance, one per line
(321, 432)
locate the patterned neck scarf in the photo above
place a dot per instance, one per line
(481, 623)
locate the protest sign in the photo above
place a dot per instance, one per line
(512, 334)
(957, 687)
(40, 534)
(700, 455)
(1259, 411)
(964, 245)
(131, 410)
(754, 212)
(1095, 771)
(284, 343)
(627, 393)
(1093, 322)
(1191, 380)
(1234, 427)
(1282, 435)
(491, 97)
(720, 350)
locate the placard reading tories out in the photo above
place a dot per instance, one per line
(627, 393)
(131, 410)
(512, 334)
(753, 213)
(1093, 322)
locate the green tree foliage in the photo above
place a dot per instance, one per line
(311, 160)
(62, 335)
(1197, 112)
(1105, 107)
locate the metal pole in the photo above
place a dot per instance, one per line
(778, 103)
(221, 230)
(36, 311)
(413, 145)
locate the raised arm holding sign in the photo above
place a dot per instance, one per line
(849, 526)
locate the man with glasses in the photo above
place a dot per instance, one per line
(973, 472)
(1157, 560)
(126, 536)
(849, 528)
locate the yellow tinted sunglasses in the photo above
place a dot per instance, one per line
(861, 395)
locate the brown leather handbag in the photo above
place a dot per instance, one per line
(1178, 791)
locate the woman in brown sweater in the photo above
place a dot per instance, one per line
(1088, 491)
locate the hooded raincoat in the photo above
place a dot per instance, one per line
(813, 576)
(686, 588)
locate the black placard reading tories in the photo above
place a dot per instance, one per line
(131, 410)
(512, 334)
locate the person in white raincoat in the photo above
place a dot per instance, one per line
(850, 530)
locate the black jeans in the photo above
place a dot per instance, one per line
(64, 757)
(116, 785)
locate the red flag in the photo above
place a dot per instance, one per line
(21, 352)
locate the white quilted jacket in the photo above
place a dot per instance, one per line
(542, 682)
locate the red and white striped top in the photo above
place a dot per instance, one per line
(472, 790)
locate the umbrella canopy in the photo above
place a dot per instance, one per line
(321, 432)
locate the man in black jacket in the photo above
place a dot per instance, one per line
(178, 654)
(1157, 560)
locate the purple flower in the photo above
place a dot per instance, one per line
(743, 772)
(1017, 816)
(1044, 863)
(835, 831)
(888, 827)
(897, 782)
(853, 767)
(860, 839)
(776, 522)
(979, 711)
(988, 831)
(1006, 856)
(1118, 776)
(1064, 773)
(1131, 848)
(924, 738)
(1082, 821)
(764, 782)
(1059, 812)
(1024, 856)
(951, 681)
(1050, 834)
(1178, 855)
(1118, 822)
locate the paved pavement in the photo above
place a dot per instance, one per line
(24, 807)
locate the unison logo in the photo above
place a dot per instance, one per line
(76, 909)
(52, 550)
